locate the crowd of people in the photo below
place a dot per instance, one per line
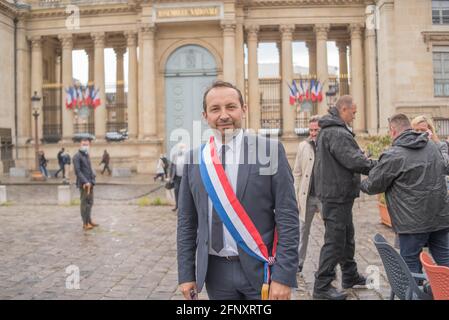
(274, 211)
(245, 216)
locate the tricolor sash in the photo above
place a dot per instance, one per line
(232, 213)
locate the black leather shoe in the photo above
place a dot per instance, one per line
(330, 293)
(359, 281)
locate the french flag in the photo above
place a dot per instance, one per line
(96, 98)
(319, 91)
(86, 97)
(69, 98)
(293, 93)
(313, 91)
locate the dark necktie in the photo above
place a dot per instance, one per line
(217, 225)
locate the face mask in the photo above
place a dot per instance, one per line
(84, 149)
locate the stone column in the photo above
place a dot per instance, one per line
(140, 86)
(148, 114)
(288, 111)
(36, 80)
(343, 61)
(23, 85)
(311, 46)
(131, 41)
(357, 79)
(91, 56)
(59, 91)
(253, 78)
(386, 62)
(321, 31)
(120, 84)
(67, 81)
(229, 51)
(371, 81)
(240, 58)
(279, 47)
(100, 111)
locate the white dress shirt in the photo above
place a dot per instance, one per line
(232, 167)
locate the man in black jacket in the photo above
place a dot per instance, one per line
(339, 163)
(85, 181)
(412, 175)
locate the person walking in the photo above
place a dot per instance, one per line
(105, 160)
(43, 162)
(177, 168)
(61, 164)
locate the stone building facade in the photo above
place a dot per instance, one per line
(394, 56)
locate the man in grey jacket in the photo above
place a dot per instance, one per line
(338, 165)
(207, 252)
(412, 175)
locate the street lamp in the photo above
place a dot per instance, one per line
(35, 101)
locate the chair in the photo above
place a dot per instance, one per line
(438, 277)
(402, 281)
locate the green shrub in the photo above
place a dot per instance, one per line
(377, 145)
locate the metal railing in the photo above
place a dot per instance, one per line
(52, 113)
(116, 126)
(52, 133)
(84, 128)
(270, 103)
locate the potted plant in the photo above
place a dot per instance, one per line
(375, 147)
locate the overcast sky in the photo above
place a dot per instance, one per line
(267, 53)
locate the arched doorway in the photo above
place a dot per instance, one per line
(189, 70)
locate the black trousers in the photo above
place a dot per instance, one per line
(339, 245)
(61, 168)
(106, 167)
(177, 182)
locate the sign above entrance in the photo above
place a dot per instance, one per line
(176, 12)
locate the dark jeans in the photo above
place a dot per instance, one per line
(61, 168)
(87, 201)
(106, 167)
(411, 246)
(339, 245)
(177, 182)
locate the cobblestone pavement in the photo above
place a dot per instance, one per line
(132, 255)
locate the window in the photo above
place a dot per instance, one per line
(441, 72)
(440, 11)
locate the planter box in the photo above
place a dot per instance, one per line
(384, 215)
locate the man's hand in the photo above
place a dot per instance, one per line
(189, 290)
(279, 291)
(87, 187)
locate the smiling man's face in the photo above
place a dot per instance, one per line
(223, 110)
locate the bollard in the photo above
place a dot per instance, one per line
(64, 196)
(3, 198)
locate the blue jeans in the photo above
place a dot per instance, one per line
(44, 171)
(411, 246)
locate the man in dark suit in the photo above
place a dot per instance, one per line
(263, 184)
